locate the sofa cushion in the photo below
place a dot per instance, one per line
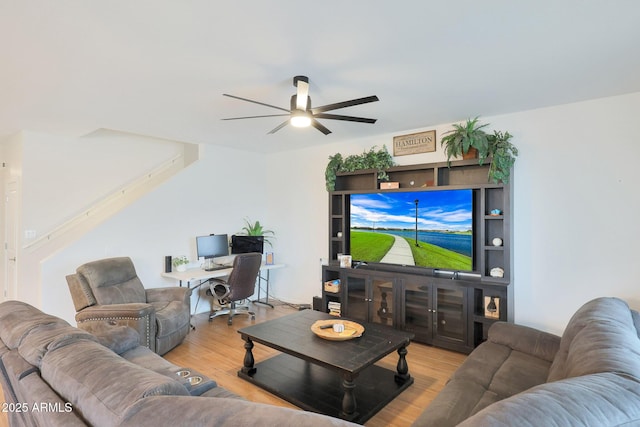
(540, 344)
(600, 337)
(491, 373)
(603, 400)
(15, 368)
(226, 413)
(45, 406)
(118, 339)
(636, 321)
(18, 318)
(144, 357)
(171, 316)
(100, 384)
(45, 337)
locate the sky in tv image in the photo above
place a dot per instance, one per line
(448, 210)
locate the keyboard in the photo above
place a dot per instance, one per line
(216, 267)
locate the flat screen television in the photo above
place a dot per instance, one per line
(246, 244)
(212, 246)
(432, 229)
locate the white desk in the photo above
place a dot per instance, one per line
(200, 275)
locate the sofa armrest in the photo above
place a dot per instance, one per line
(141, 317)
(115, 311)
(542, 345)
(173, 293)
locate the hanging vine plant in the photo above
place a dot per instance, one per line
(379, 160)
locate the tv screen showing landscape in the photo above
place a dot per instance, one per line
(431, 229)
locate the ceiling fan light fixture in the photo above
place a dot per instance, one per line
(301, 114)
(300, 119)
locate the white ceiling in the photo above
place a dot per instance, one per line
(160, 67)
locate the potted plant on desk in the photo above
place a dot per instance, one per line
(256, 229)
(180, 263)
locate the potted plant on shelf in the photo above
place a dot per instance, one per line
(463, 139)
(256, 229)
(180, 263)
(503, 155)
(379, 160)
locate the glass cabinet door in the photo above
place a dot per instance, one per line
(450, 313)
(357, 297)
(416, 316)
(383, 307)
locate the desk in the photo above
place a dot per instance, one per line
(200, 275)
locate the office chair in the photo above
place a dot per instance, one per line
(238, 286)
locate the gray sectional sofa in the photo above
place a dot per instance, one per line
(53, 374)
(528, 378)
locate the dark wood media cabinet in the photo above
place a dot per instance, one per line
(448, 309)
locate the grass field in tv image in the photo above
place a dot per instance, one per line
(386, 226)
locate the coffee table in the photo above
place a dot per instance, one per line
(336, 378)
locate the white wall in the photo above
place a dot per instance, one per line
(576, 228)
(81, 171)
(575, 233)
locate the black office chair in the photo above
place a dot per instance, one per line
(238, 286)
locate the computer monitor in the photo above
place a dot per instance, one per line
(212, 246)
(246, 244)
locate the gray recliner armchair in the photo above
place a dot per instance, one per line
(108, 293)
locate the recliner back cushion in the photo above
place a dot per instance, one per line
(600, 337)
(113, 281)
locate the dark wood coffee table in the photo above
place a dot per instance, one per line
(336, 378)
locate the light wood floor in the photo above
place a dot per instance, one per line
(217, 351)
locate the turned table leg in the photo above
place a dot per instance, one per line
(349, 403)
(249, 361)
(402, 369)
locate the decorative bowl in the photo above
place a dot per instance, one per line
(324, 329)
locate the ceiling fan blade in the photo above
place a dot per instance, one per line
(256, 102)
(255, 117)
(316, 124)
(344, 104)
(277, 128)
(345, 118)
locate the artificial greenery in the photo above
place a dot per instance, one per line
(333, 166)
(256, 229)
(379, 160)
(461, 138)
(471, 134)
(503, 154)
(177, 261)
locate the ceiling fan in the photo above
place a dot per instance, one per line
(301, 114)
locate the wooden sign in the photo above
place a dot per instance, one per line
(415, 143)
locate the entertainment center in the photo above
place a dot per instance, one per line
(443, 306)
